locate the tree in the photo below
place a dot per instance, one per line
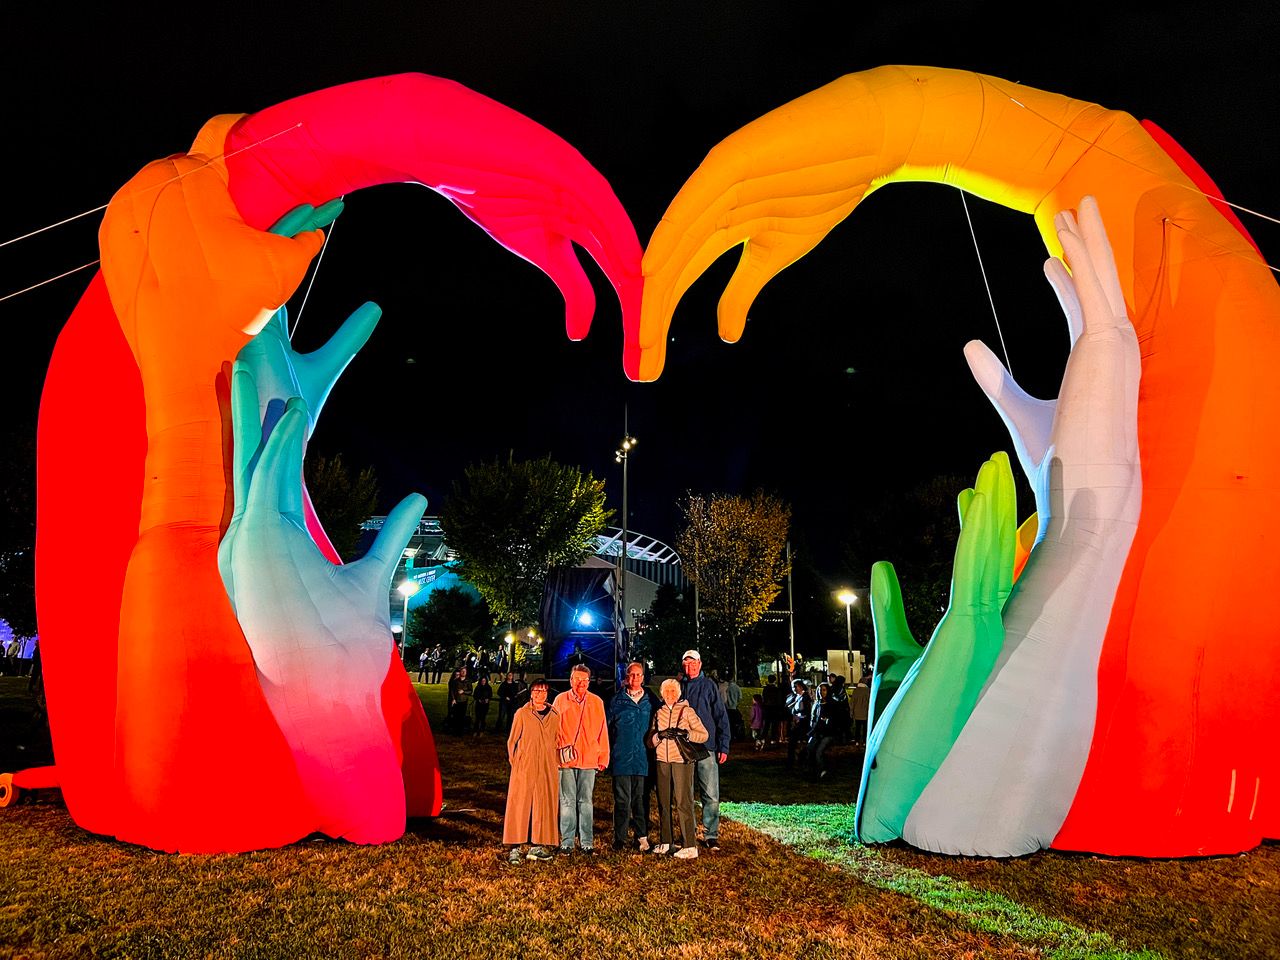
(342, 501)
(916, 529)
(733, 549)
(666, 629)
(451, 617)
(512, 522)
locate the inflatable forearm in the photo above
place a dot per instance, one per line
(177, 694)
(1127, 708)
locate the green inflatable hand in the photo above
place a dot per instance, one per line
(896, 649)
(937, 691)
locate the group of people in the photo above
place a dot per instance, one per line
(673, 743)
(464, 696)
(809, 720)
(431, 663)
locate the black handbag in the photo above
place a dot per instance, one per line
(691, 752)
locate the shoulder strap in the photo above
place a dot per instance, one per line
(582, 713)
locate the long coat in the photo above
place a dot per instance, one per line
(533, 796)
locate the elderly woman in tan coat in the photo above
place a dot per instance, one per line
(674, 724)
(533, 796)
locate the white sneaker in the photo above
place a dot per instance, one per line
(662, 848)
(686, 853)
(644, 844)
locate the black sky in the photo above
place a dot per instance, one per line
(849, 380)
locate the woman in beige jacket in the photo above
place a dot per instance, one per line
(533, 795)
(674, 721)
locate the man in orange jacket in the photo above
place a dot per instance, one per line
(583, 751)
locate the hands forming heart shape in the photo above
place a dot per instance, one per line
(1098, 703)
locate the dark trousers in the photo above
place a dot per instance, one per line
(504, 716)
(436, 672)
(818, 755)
(482, 715)
(630, 808)
(775, 721)
(737, 731)
(796, 742)
(458, 717)
(675, 786)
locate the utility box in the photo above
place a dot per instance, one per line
(845, 664)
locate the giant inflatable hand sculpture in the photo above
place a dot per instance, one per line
(192, 735)
(1181, 648)
(912, 737)
(1037, 711)
(959, 773)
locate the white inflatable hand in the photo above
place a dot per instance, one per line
(1006, 786)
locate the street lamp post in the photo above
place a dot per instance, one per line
(407, 590)
(622, 455)
(848, 598)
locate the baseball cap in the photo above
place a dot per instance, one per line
(692, 655)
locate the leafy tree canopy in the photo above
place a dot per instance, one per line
(451, 617)
(666, 630)
(916, 529)
(342, 500)
(733, 549)
(511, 522)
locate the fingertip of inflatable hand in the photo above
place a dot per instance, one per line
(368, 309)
(731, 319)
(984, 365)
(579, 305)
(576, 325)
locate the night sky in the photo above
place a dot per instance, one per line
(849, 381)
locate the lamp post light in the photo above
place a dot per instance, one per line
(536, 642)
(622, 455)
(848, 598)
(407, 590)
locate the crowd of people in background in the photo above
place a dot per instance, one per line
(809, 718)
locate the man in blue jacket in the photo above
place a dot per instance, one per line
(704, 697)
(630, 713)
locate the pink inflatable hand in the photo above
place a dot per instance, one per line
(526, 187)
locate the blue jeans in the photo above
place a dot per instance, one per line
(577, 809)
(706, 784)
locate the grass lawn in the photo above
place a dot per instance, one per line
(787, 883)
